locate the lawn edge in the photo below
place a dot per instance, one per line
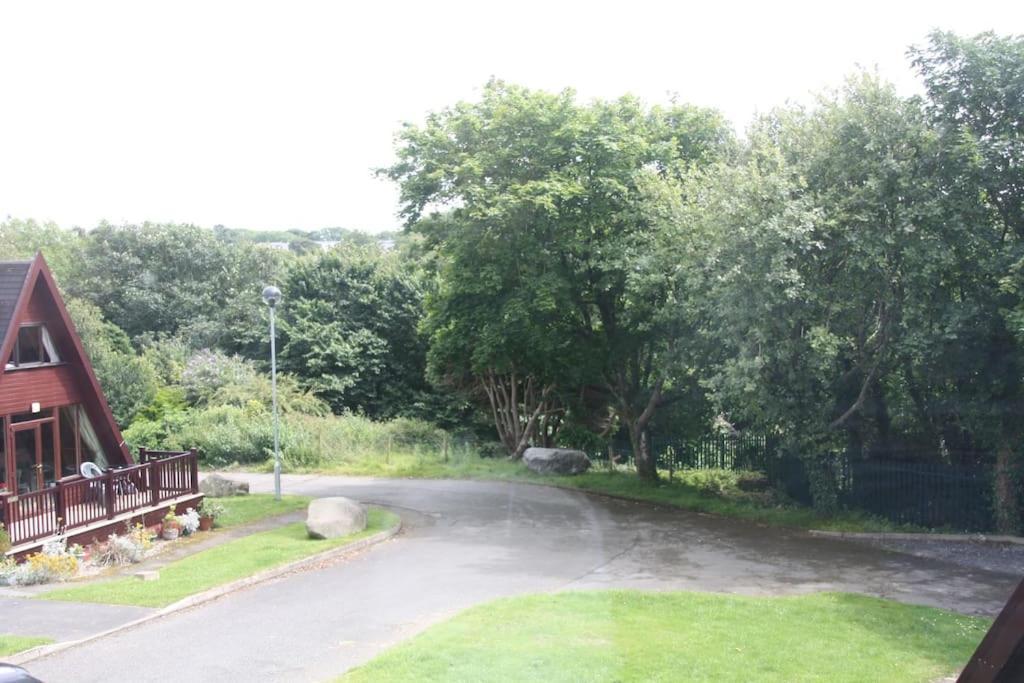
(211, 594)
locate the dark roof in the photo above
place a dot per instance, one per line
(12, 280)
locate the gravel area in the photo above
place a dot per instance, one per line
(1006, 558)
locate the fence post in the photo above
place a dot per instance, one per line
(108, 491)
(58, 503)
(194, 467)
(154, 481)
(142, 455)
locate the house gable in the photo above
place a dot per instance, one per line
(69, 381)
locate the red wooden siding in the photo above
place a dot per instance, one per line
(50, 386)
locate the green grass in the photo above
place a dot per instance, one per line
(464, 464)
(638, 636)
(10, 645)
(240, 510)
(221, 564)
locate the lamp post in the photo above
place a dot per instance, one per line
(271, 295)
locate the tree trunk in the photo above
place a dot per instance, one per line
(516, 406)
(646, 467)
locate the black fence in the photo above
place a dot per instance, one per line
(926, 494)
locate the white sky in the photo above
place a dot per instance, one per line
(271, 115)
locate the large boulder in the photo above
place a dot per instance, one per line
(217, 486)
(334, 517)
(556, 460)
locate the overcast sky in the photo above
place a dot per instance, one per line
(272, 115)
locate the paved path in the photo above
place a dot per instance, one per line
(466, 542)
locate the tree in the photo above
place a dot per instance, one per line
(829, 247)
(559, 192)
(157, 279)
(349, 322)
(974, 88)
(128, 381)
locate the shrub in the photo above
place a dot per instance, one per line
(43, 567)
(8, 569)
(189, 522)
(5, 539)
(717, 482)
(118, 550)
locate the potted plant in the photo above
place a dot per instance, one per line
(171, 527)
(209, 513)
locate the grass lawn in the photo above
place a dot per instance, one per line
(638, 636)
(221, 564)
(240, 510)
(467, 465)
(10, 645)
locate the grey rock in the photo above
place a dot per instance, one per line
(334, 517)
(217, 486)
(556, 460)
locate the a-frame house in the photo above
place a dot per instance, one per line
(55, 420)
(52, 411)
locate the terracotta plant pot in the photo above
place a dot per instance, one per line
(205, 523)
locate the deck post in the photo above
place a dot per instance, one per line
(142, 454)
(108, 492)
(154, 480)
(59, 504)
(194, 465)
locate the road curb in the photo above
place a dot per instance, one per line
(212, 594)
(898, 536)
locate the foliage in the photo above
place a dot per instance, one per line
(5, 539)
(127, 379)
(214, 378)
(219, 565)
(119, 550)
(550, 275)
(43, 567)
(592, 635)
(170, 521)
(189, 522)
(212, 509)
(714, 481)
(349, 331)
(175, 279)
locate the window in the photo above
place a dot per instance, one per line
(33, 347)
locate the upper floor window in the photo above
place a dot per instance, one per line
(34, 347)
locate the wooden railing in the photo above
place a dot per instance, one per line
(75, 502)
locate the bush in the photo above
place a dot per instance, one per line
(117, 551)
(45, 567)
(717, 482)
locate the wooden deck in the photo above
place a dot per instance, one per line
(75, 505)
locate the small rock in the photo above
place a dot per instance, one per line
(217, 486)
(150, 575)
(556, 460)
(334, 517)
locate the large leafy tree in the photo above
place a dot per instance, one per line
(559, 193)
(349, 323)
(160, 279)
(828, 248)
(976, 99)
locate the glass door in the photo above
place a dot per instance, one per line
(28, 459)
(35, 455)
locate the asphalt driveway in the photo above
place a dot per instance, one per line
(465, 542)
